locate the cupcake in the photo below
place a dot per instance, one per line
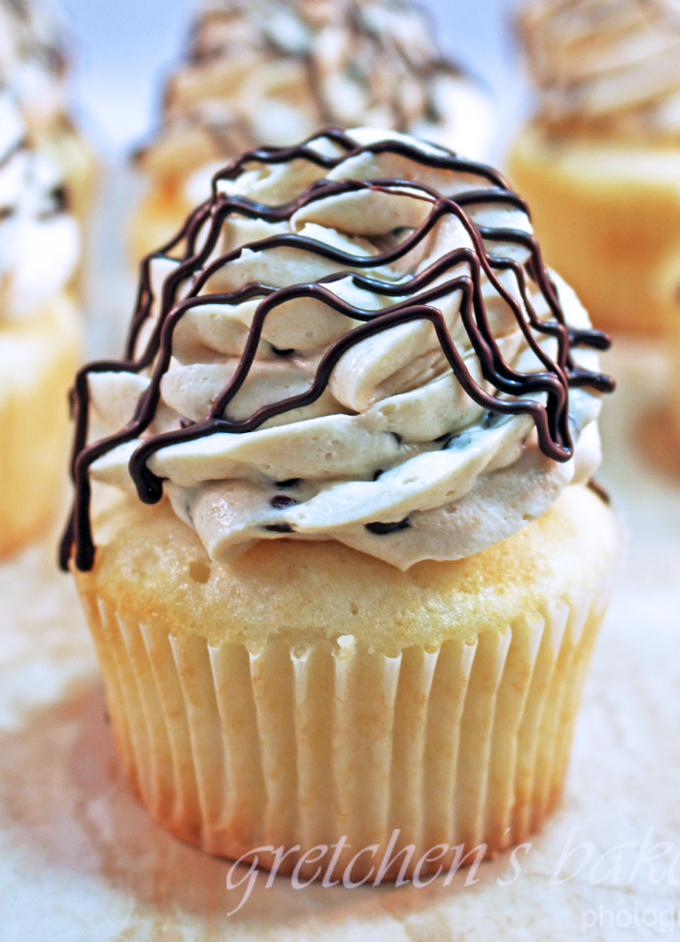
(34, 65)
(39, 337)
(667, 288)
(599, 162)
(272, 71)
(346, 591)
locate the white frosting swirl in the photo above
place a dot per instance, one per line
(273, 71)
(607, 64)
(39, 241)
(394, 458)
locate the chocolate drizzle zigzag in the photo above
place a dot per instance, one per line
(543, 394)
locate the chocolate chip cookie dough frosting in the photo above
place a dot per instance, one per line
(354, 339)
(39, 240)
(612, 65)
(273, 71)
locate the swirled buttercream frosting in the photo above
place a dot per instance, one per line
(273, 71)
(353, 339)
(612, 65)
(39, 240)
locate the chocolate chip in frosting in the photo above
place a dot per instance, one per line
(393, 238)
(382, 529)
(58, 203)
(457, 441)
(492, 419)
(279, 528)
(60, 198)
(281, 501)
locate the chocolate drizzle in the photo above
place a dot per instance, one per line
(416, 301)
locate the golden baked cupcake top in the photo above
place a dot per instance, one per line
(272, 71)
(39, 239)
(353, 339)
(611, 66)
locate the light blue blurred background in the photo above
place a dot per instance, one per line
(124, 47)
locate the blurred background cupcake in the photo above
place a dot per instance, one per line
(34, 65)
(600, 161)
(39, 330)
(272, 72)
(667, 288)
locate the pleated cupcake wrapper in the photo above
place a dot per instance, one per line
(467, 743)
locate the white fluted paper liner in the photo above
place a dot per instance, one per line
(464, 744)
